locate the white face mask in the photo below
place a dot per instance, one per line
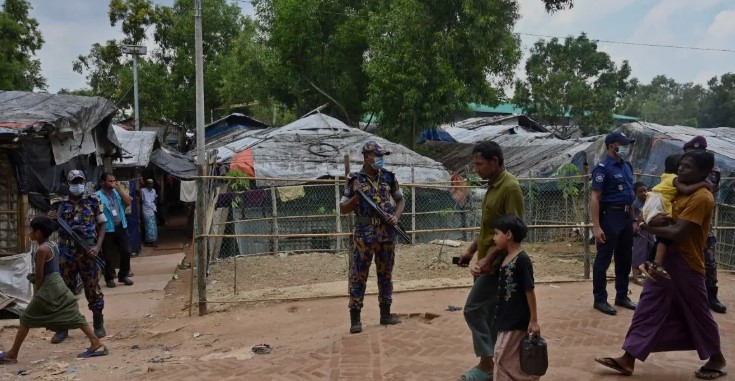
(76, 189)
(624, 152)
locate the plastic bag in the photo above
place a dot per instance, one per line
(653, 206)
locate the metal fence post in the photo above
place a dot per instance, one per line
(586, 229)
(274, 204)
(339, 219)
(413, 204)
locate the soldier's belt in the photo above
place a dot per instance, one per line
(362, 220)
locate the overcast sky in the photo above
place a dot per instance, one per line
(70, 27)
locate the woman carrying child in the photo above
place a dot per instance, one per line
(659, 203)
(516, 314)
(53, 305)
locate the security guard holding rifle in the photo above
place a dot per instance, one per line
(374, 236)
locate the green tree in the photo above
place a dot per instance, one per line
(20, 40)
(574, 79)
(664, 101)
(428, 59)
(166, 74)
(718, 105)
(411, 62)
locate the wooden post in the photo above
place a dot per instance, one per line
(413, 204)
(339, 218)
(201, 248)
(586, 230)
(274, 205)
(234, 262)
(350, 227)
(22, 220)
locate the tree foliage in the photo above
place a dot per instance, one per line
(428, 59)
(718, 105)
(166, 74)
(21, 38)
(664, 101)
(573, 79)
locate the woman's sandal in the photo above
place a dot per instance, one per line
(651, 270)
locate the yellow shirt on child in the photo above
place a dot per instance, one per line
(667, 190)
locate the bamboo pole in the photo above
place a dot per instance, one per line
(350, 227)
(321, 235)
(413, 205)
(338, 221)
(234, 283)
(274, 227)
(586, 230)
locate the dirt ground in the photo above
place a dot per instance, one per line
(140, 346)
(282, 274)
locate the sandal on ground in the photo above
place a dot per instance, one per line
(614, 364)
(709, 373)
(651, 270)
(476, 374)
(6, 361)
(101, 351)
(262, 349)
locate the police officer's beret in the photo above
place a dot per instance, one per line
(699, 142)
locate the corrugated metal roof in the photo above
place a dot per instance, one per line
(137, 147)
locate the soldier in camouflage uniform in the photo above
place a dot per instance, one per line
(372, 238)
(85, 215)
(699, 143)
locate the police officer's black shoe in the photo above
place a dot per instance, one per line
(605, 308)
(386, 318)
(355, 323)
(625, 303)
(59, 337)
(715, 303)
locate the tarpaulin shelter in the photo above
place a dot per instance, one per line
(314, 147)
(42, 137)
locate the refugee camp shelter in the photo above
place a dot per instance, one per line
(285, 161)
(42, 137)
(314, 147)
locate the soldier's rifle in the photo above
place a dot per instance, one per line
(383, 216)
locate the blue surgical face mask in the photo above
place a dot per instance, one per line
(624, 152)
(76, 189)
(377, 163)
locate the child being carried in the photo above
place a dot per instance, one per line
(659, 203)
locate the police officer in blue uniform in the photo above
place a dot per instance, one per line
(610, 207)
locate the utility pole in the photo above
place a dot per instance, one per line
(201, 247)
(135, 51)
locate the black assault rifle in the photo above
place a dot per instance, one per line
(383, 216)
(79, 243)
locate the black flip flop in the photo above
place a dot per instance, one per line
(716, 372)
(613, 364)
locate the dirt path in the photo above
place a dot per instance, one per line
(169, 338)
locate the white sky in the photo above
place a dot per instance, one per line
(70, 27)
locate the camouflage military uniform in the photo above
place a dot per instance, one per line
(82, 218)
(372, 238)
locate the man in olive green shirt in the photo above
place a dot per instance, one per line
(503, 197)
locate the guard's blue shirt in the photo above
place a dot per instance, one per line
(615, 180)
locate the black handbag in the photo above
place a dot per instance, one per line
(534, 356)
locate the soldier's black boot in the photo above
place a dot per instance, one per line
(385, 316)
(59, 337)
(98, 324)
(715, 303)
(355, 323)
